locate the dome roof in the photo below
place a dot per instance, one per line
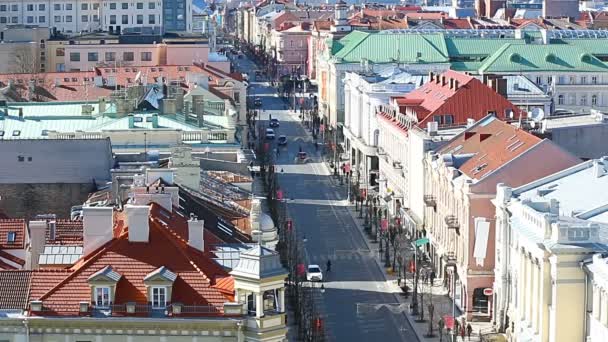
(266, 223)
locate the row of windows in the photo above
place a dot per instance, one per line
(569, 80)
(139, 19)
(69, 7)
(109, 56)
(158, 300)
(561, 100)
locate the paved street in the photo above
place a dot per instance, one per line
(356, 284)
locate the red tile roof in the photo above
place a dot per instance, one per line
(493, 142)
(450, 23)
(457, 94)
(14, 289)
(6, 255)
(66, 233)
(200, 281)
(8, 226)
(427, 15)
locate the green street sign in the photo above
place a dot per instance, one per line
(421, 242)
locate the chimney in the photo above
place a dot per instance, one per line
(432, 127)
(98, 224)
(138, 222)
(470, 122)
(37, 232)
(196, 231)
(451, 83)
(431, 76)
(455, 84)
(102, 105)
(443, 82)
(52, 225)
(200, 111)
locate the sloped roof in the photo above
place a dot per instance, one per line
(384, 48)
(477, 46)
(66, 233)
(534, 57)
(14, 289)
(488, 145)
(16, 226)
(196, 272)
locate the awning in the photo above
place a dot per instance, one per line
(482, 230)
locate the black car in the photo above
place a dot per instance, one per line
(274, 123)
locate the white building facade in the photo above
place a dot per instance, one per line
(75, 17)
(545, 230)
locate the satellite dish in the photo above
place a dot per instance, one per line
(537, 114)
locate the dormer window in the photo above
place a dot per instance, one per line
(160, 285)
(103, 287)
(159, 297)
(102, 296)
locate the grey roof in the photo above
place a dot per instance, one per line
(518, 85)
(107, 272)
(14, 289)
(162, 272)
(258, 263)
(582, 190)
(55, 161)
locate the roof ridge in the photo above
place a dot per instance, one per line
(175, 239)
(492, 58)
(360, 38)
(442, 41)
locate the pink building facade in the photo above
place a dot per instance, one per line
(460, 182)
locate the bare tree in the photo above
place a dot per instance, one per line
(25, 60)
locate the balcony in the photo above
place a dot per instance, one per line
(451, 222)
(430, 201)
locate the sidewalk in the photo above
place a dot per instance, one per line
(436, 293)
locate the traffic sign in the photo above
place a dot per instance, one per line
(421, 242)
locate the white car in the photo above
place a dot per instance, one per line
(269, 133)
(314, 273)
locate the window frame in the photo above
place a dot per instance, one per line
(106, 298)
(155, 296)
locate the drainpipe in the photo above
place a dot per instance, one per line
(27, 329)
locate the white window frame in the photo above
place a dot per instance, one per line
(155, 292)
(105, 302)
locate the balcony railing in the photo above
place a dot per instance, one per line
(430, 201)
(451, 222)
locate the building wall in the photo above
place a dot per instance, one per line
(28, 200)
(560, 9)
(583, 141)
(120, 51)
(185, 54)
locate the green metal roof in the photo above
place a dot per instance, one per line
(385, 48)
(536, 57)
(465, 66)
(477, 46)
(593, 46)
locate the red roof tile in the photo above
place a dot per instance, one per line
(469, 99)
(66, 233)
(493, 143)
(200, 281)
(14, 289)
(8, 227)
(6, 255)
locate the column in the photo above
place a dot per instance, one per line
(522, 287)
(259, 305)
(282, 300)
(536, 297)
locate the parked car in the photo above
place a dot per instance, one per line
(314, 273)
(270, 134)
(282, 140)
(274, 123)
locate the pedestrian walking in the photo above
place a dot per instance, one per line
(462, 332)
(469, 330)
(433, 275)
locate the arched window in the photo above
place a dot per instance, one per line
(560, 99)
(376, 137)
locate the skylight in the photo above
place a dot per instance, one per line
(11, 237)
